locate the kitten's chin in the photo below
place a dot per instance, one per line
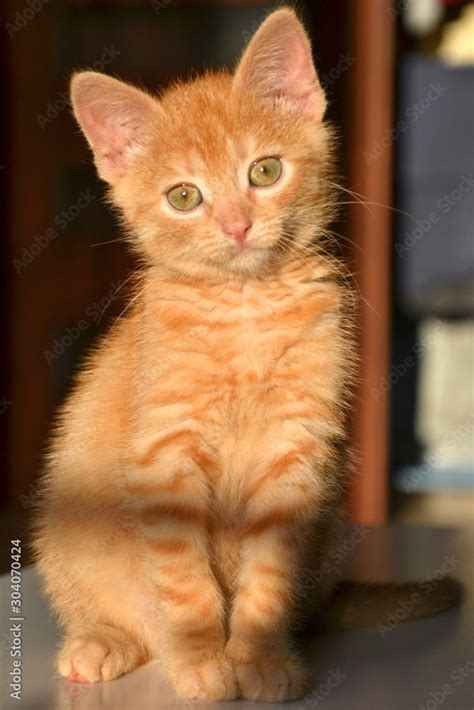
(247, 260)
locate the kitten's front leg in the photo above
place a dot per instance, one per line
(279, 512)
(267, 669)
(170, 492)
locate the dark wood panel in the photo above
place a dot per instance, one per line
(372, 98)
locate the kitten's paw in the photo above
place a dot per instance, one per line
(272, 679)
(88, 660)
(213, 679)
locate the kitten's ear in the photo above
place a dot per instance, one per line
(278, 63)
(115, 119)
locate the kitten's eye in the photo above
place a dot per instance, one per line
(265, 172)
(184, 197)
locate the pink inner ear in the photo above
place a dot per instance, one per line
(111, 141)
(278, 63)
(115, 118)
(298, 80)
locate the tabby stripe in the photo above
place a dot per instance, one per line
(207, 634)
(172, 438)
(187, 515)
(178, 596)
(283, 464)
(271, 571)
(278, 518)
(169, 547)
(177, 576)
(252, 594)
(147, 487)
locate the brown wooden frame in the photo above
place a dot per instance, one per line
(372, 28)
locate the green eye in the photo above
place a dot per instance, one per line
(184, 197)
(265, 172)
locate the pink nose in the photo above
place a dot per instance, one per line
(238, 230)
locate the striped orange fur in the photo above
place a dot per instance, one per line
(212, 416)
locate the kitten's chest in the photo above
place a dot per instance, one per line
(248, 344)
(234, 366)
(247, 350)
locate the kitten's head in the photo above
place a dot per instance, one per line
(226, 173)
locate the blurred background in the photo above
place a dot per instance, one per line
(400, 80)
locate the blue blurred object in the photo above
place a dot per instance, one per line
(425, 478)
(434, 241)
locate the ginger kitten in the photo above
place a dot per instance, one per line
(197, 473)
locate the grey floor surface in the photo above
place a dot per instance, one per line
(427, 665)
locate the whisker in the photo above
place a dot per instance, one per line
(111, 241)
(112, 297)
(365, 201)
(340, 271)
(126, 309)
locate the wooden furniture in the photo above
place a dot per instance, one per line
(370, 149)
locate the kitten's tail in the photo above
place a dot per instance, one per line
(365, 604)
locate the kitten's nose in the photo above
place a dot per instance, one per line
(238, 230)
